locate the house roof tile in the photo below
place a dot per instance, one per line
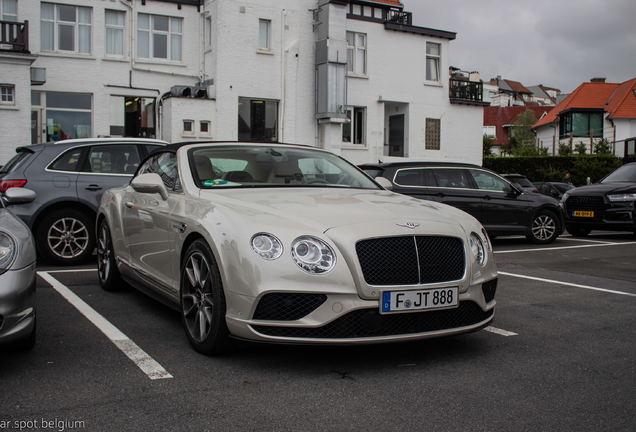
(617, 99)
(517, 87)
(503, 117)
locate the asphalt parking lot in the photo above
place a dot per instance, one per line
(560, 356)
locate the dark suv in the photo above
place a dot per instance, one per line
(502, 208)
(607, 205)
(69, 178)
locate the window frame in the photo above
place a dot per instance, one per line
(268, 43)
(122, 28)
(355, 50)
(208, 125)
(566, 124)
(170, 33)
(7, 91)
(437, 59)
(354, 127)
(192, 127)
(57, 23)
(5, 16)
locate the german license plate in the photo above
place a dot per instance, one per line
(405, 301)
(578, 213)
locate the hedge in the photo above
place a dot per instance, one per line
(553, 168)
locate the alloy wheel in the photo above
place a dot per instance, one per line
(68, 238)
(543, 227)
(197, 297)
(103, 253)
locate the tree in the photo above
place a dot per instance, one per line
(580, 148)
(521, 136)
(602, 146)
(488, 143)
(565, 150)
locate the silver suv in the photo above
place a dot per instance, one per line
(69, 178)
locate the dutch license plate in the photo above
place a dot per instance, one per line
(578, 213)
(404, 301)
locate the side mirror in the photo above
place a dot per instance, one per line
(386, 184)
(149, 183)
(17, 195)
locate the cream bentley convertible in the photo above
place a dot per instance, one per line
(291, 244)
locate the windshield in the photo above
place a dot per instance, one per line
(626, 173)
(562, 187)
(272, 166)
(521, 181)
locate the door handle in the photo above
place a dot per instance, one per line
(93, 187)
(129, 204)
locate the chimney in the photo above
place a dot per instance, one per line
(597, 80)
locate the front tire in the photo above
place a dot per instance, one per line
(66, 237)
(109, 277)
(545, 228)
(203, 301)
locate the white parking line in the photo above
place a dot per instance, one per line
(567, 284)
(563, 247)
(146, 363)
(500, 331)
(586, 240)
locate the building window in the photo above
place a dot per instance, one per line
(258, 120)
(581, 124)
(208, 31)
(357, 53)
(490, 131)
(65, 28)
(353, 132)
(432, 139)
(432, 61)
(9, 10)
(263, 34)
(7, 94)
(65, 115)
(188, 127)
(115, 32)
(204, 127)
(159, 37)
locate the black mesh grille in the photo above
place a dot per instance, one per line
(394, 260)
(584, 202)
(489, 288)
(369, 323)
(287, 307)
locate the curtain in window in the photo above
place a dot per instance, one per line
(143, 36)
(361, 55)
(10, 10)
(47, 28)
(175, 39)
(84, 36)
(114, 35)
(263, 34)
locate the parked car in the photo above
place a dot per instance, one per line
(521, 181)
(503, 208)
(553, 189)
(69, 178)
(17, 273)
(607, 205)
(292, 244)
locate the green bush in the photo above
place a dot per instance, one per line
(553, 168)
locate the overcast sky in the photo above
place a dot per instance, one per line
(557, 43)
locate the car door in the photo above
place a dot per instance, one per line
(106, 167)
(452, 186)
(506, 210)
(412, 182)
(148, 226)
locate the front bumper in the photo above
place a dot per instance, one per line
(611, 217)
(17, 304)
(348, 319)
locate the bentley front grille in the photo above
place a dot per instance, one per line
(411, 260)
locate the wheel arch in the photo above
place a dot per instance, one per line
(73, 205)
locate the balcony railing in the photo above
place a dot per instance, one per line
(399, 17)
(14, 36)
(466, 91)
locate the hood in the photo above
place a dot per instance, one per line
(327, 208)
(601, 189)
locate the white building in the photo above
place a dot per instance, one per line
(355, 77)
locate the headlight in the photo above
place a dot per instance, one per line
(477, 247)
(626, 197)
(487, 239)
(266, 246)
(8, 251)
(313, 255)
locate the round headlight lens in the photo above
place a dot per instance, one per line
(267, 246)
(487, 239)
(313, 255)
(477, 247)
(7, 251)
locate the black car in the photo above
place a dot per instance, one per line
(553, 189)
(522, 181)
(502, 208)
(69, 178)
(607, 205)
